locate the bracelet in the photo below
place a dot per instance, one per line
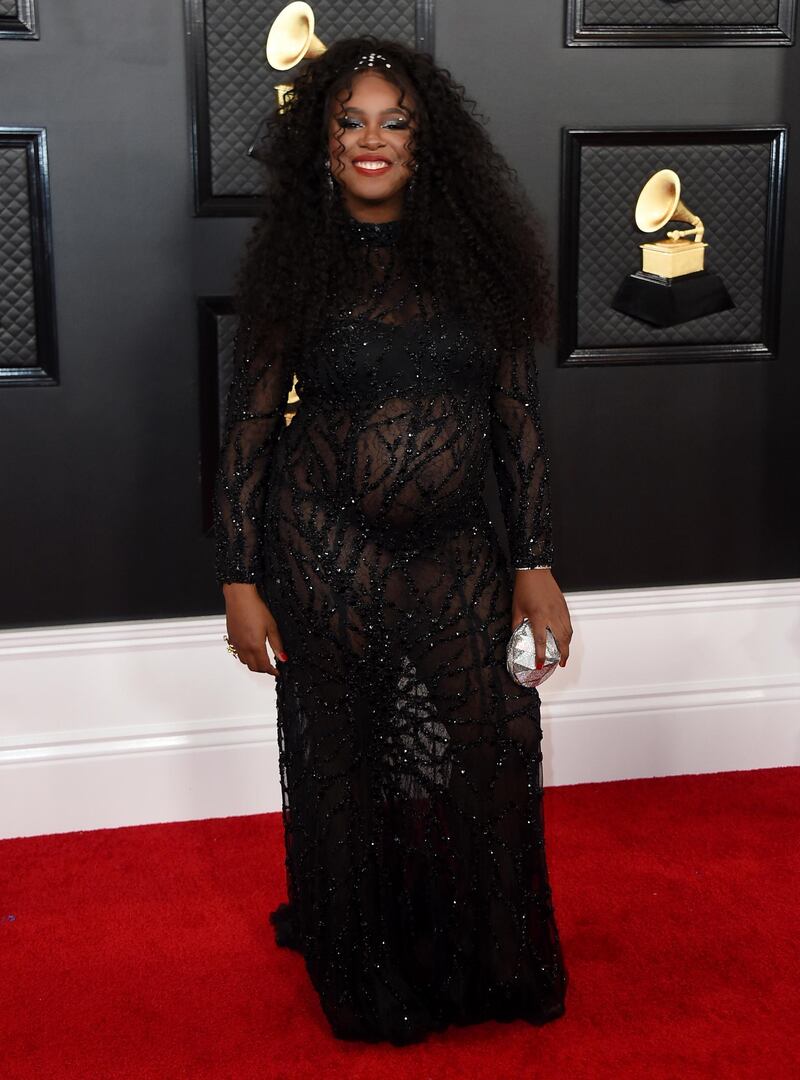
(533, 567)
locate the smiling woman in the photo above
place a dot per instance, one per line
(370, 137)
(403, 291)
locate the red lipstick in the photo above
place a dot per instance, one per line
(361, 163)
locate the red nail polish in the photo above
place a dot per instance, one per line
(539, 664)
(282, 656)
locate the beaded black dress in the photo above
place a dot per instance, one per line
(410, 761)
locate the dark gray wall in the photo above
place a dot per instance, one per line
(663, 474)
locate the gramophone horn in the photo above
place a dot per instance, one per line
(291, 37)
(660, 201)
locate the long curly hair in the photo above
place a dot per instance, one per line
(470, 236)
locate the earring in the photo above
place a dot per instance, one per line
(330, 177)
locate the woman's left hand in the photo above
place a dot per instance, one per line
(537, 595)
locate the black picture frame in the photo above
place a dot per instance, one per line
(33, 142)
(23, 25)
(581, 30)
(572, 350)
(207, 201)
(216, 328)
(212, 311)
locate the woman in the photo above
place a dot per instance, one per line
(396, 273)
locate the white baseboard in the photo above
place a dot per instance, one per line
(110, 724)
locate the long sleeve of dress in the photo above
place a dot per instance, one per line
(520, 458)
(254, 422)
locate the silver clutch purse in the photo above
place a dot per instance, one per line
(521, 656)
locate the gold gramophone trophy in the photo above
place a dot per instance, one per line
(291, 38)
(673, 285)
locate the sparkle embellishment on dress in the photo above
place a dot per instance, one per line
(410, 761)
(375, 233)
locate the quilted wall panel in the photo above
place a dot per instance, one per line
(217, 328)
(661, 23)
(225, 334)
(663, 13)
(18, 19)
(240, 85)
(18, 347)
(218, 325)
(28, 351)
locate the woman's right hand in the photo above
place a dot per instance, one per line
(249, 623)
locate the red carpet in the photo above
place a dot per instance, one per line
(146, 952)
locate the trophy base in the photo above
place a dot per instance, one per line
(668, 301)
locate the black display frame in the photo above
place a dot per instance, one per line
(578, 33)
(24, 26)
(213, 396)
(34, 141)
(573, 141)
(206, 202)
(210, 309)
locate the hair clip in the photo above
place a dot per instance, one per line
(368, 60)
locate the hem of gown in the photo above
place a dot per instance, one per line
(286, 937)
(285, 934)
(436, 1027)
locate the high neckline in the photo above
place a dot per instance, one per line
(375, 232)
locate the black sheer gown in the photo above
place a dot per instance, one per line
(410, 761)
